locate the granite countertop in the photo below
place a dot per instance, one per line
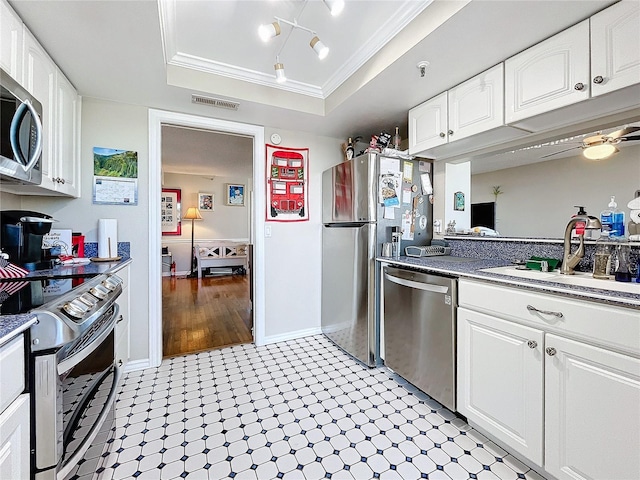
(91, 269)
(473, 269)
(12, 325)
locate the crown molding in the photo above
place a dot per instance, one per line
(244, 74)
(407, 11)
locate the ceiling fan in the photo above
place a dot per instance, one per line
(601, 146)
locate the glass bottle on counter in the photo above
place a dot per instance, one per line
(397, 140)
(623, 258)
(602, 258)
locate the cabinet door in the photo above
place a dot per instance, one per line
(10, 42)
(477, 105)
(428, 124)
(14, 439)
(615, 48)
(67, 125)
(592, 412)
(500, 368)
(40, 80)
(549, 75)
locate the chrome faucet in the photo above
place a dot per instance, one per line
(570, 260)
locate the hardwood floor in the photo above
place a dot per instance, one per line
(203, 314)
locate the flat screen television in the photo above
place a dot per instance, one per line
(483, 215)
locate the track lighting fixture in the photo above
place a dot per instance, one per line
(335, 6)
(270, 30)
(267, 32)
(320, 48)
(280, 76)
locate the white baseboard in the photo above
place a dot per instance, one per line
(291, 335)
(135, 365)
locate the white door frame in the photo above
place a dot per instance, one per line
(157, 118)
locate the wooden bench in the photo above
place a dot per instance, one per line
(221, 254)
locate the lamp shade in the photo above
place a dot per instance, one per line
(192, 214)
(335, 6)
(280, 75)
(320, 48)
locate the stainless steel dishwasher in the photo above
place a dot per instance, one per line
(420, 331)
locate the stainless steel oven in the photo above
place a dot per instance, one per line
(74, 374)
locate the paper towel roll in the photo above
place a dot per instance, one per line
(107, 238)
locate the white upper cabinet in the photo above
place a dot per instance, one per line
(40, 81)
(549, 75)
(477, 105)
(615, 47)
(428, 124)
(67, 142)
(10, 42)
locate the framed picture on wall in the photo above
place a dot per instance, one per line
(205, 202)
(170, 209)
(235, 194)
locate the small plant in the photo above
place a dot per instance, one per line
(497, 191)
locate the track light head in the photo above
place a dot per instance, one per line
(335, 6)
(280, 76)
(320, 48)
(268, 31)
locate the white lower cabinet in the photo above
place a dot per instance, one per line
(501, 380)
(592, 405)
(556, 380)
(14, 440)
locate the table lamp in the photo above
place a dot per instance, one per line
(192, 214)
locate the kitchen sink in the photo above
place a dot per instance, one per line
(521, 273)
(579, 279)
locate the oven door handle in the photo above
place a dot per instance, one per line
(73, 360)
(86, 443)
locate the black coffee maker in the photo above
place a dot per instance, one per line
(21, 233)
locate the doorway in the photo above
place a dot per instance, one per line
(206, 304)
(157, 119)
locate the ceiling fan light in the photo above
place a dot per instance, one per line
(268, 31)
(599, 152)
(335, 6)
(280, 76)
(320, 48)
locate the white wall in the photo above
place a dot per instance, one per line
(457, 179)
(225, 222)
(8, 201)
(113, 125)
(539, 199)
(294, 250)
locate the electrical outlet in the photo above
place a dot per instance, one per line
(267, 231)
(437, 226)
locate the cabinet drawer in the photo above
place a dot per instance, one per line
(11, 371)
(599, 324)
(14, 440)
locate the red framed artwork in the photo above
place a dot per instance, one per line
(170, 209)
(287, 182)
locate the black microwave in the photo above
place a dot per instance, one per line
(20, 134)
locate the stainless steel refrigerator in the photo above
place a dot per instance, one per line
(354, 229)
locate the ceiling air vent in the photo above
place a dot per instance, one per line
(214, 102)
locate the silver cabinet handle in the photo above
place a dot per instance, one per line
(550, 351)
(450, 132)
(599, 79)
(442, 134)
(579, 86)
(532, 344)
(531, 308)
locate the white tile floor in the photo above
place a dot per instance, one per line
(300, 409)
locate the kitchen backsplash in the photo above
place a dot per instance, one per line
(522, 249)
(91, 249)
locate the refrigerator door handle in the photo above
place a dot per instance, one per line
(419, 285)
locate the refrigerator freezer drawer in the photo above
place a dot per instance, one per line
(348, 289)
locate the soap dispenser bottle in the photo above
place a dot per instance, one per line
(606, 216)
(579, 228)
